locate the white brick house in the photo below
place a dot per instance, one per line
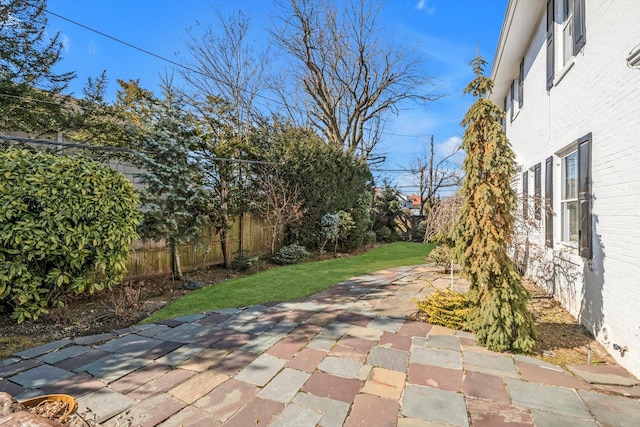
(567, 73)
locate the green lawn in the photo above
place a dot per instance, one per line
(292, 282)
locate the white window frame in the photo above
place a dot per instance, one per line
(567, 31)
(568, 200)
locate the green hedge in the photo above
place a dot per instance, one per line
(66, 224)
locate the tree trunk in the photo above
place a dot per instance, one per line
(224, 232)
(176, 266)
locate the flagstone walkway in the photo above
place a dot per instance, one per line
(345, 356)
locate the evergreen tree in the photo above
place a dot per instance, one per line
(173, 199)
(499, 315)
(30, 99)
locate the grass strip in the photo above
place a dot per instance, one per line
(292, 282)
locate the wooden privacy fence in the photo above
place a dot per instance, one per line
(150, 258)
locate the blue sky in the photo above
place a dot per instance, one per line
(444, 31)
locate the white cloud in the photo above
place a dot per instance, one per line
(66, 42)
(422, 5)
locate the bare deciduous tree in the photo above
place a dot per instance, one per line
(350, 77)
(278, 203)
(436, 173)
(223, 63)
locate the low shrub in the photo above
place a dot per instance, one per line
(446, 308)
(243, 261)
(384, 233)
(369, 237)
(291, 254)
(440, 257)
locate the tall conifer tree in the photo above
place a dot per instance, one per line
(485, 225)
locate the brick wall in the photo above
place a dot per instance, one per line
(600, 94)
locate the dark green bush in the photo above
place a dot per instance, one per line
(66, 224)
(291, 254)
(384, 233)
(369, 237)
(242, 261)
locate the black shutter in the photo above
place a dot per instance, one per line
(537, 189)
(550, 48)
(521, 84)
(525, 195)
(548, 196)
(512, 98)
(584, 196)
(579, 38)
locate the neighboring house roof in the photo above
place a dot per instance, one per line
(520, 22)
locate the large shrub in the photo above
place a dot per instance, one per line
(328, 179)
(66, 224)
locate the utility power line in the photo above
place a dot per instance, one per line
(177, 64)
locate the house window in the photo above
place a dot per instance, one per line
(567, 30)
(565, 35)
(537, 188)
(548, 194)
(521, 84)
(525, 195)
(569, 199)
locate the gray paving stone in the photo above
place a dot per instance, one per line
(260, 344)
(436, 357)
(549, 419)
(535, 361)
(333, 411)
(62, 354)
(153, 330)
(186, 333)
(285, 385)
(612, 410)
(9, 361)
(296, 416)
(386, 324)
(311, 306)
(14, 368)
(94, 339)
(547, 398)
(322, 342)
(389, 358)
(256, 327)
(132, 345)
(28, 394)
(347, 368)
(190, 318)
(447, 342)
(282, 328)
(228, 311)
(113, 366)
(104, 404)
(492, 364)
(11, 388)
(40, 350)
(262, 370)
(419, 341)
(336, 329)
(179, 355)
(41, 376)
(434, 405)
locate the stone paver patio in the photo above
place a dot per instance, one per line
(345, 356)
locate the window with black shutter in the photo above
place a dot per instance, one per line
(537, 191)
(512, 98)
(525, 195)
(548, 196)
(579, 38)
(584, 197)
(521, 84)
(550, 48)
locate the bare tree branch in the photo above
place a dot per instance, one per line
(351, 78)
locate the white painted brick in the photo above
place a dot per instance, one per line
(599, 94)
